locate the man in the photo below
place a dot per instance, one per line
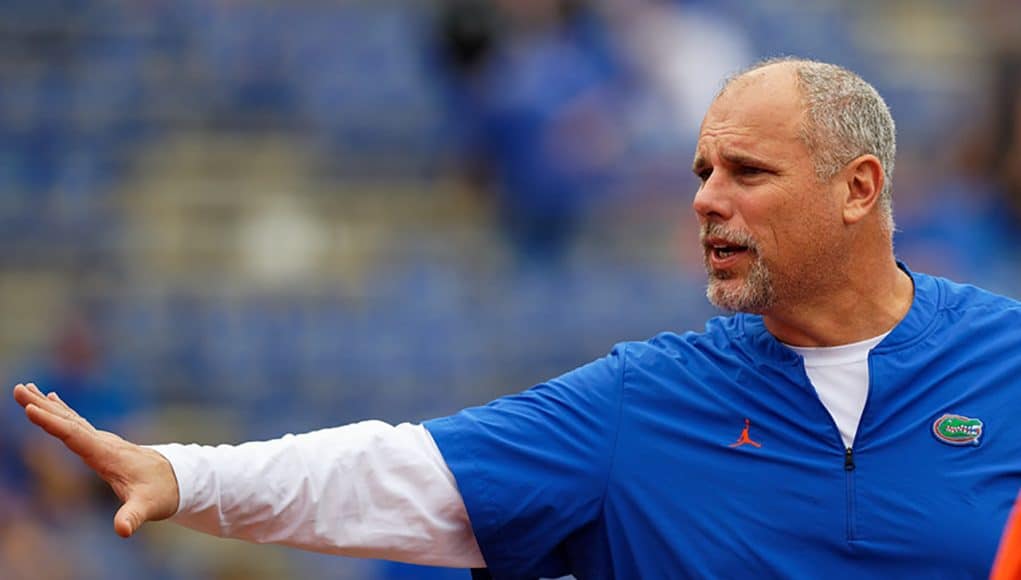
(854, 419)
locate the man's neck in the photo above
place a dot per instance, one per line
(859, 309)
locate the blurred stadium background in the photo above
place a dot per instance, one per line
(223, 220)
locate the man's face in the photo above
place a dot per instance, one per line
(768, 225)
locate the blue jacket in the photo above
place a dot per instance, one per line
(709, 455)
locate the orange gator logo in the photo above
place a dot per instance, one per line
(745, 438)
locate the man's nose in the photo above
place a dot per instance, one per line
(712, 200)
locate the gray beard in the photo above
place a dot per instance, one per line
(756, 295)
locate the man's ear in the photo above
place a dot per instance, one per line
(864, 179)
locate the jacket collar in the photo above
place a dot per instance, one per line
(925, 304)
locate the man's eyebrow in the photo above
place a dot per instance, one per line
(733, 158)
(737, 158)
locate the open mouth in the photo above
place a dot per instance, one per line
(724, 251)
(720, 249)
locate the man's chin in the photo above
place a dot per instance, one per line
(723, 293)
(734, 294)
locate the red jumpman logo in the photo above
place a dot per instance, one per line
(745, 438)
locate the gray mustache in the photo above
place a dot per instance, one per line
(735, 237)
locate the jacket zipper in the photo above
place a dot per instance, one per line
(849, 465)
(849, 472)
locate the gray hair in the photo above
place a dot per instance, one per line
(845, 118)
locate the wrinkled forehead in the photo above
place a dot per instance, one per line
(762, 110)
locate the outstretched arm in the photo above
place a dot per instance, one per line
(367, 490)
(142, 478)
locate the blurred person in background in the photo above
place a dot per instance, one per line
(533, 83)
(88, 378)
(566, 104)
(749, 446)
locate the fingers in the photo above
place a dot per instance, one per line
(29, 394)
(59, 420)
(25, 394)
(59, 426)
(76, 434)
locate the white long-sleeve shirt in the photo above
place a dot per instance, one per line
(367, 490)
(372, 490)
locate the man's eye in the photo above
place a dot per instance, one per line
(750, 170)
(704, 174)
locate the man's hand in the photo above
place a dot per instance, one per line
(142, 478)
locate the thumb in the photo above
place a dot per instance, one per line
(129, 518)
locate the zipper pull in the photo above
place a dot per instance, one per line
(849, 459)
